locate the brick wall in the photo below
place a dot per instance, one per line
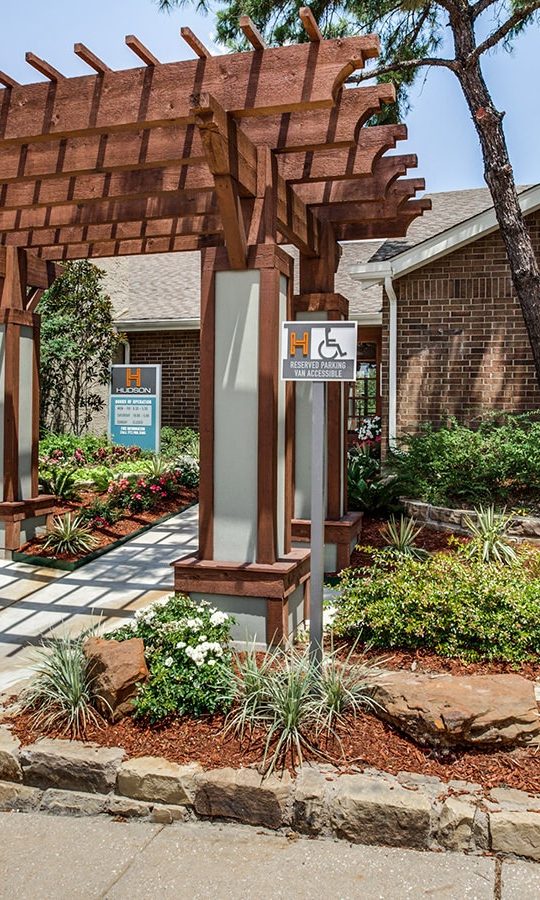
(462, 344)
(179, 354)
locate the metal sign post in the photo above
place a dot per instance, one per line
(318, 352)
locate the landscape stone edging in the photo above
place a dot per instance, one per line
(447, 519)
(372, 807)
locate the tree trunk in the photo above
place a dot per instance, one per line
(499, 177)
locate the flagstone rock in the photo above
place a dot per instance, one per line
(376, 810)
(515, 831)
(157, 780)
(456, 822)
(448, 710)
(117, 668)
(310, 806)
(10, 769)
(18, 797)
(71, 765)
(72, 803)
(245, 795)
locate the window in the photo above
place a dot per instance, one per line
(364, 397)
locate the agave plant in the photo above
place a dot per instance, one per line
(157, 466)
(489, 531)
(60, 694)
(401, 537)
(69, 534)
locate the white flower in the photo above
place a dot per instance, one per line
(218, 618)
(180, 645)
(211, 662)
(168, 662)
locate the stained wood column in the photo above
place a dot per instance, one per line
(245, 564)
(21, 509)
(318, 300)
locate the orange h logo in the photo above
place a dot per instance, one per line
(133, 378)
(296, 343)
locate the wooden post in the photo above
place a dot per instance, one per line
(21, 509)
(245, 564)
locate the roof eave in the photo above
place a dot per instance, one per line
(440, 244)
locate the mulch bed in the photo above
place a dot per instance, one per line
(368, 743)
(108, 534)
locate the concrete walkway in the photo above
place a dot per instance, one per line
(36, 603)
(46, 857)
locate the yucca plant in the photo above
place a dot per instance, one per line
(401, 537)
(345, 688)
(69, 534)
(60, 694)
(489, 532)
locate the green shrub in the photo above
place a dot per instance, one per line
(497, 462)
(70, 534)
(368, 489)
(190, 664)
(100, 512)
(448, 604)
(61, 691)
(179, 442)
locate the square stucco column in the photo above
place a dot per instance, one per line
(342, 528)
(245, 564)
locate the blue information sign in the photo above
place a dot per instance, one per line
(135, 406)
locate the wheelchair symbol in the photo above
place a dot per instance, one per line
(329, 348)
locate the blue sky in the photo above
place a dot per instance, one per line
(440, 130)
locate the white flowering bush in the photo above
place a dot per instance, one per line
(187, 651)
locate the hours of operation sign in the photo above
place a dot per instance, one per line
(134, 410)
(318, 351)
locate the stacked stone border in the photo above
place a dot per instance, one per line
(446, 519)
(73, 778)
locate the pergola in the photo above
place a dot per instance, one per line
(232, 155)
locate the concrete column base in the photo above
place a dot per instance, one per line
(269, 602)
(340, 538)
(19, 520)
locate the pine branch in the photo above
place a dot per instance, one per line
(479, 7)
(497, 36)
(405, 65)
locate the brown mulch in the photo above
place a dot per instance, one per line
(108, 534)
(367, 743)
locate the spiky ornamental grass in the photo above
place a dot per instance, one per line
(489, 532)
(70, 534)
(285, 695)
(401, 537)
(61, 693)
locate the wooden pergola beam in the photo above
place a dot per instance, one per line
(132, 102)
(171, 145)
(7, 81)
(375, 208)
(386, 172)
(90, 59)
(252, 33)
(140, 50)
(310, 24)
(194, 43)
(45, 68)
(38, 273)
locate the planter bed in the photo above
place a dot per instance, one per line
(110, 536)
(447, 519)
(430, 538)
(370, 743)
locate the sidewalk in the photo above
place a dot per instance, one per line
(95, 857)
(36, 603)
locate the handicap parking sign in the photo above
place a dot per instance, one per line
(318, 351)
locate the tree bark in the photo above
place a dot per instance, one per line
(499, 176)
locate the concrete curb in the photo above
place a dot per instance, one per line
(73, 778)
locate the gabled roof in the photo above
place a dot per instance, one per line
(457, 218)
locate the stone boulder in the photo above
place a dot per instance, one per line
(117, 668)
(70, 765)
(459, 711)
